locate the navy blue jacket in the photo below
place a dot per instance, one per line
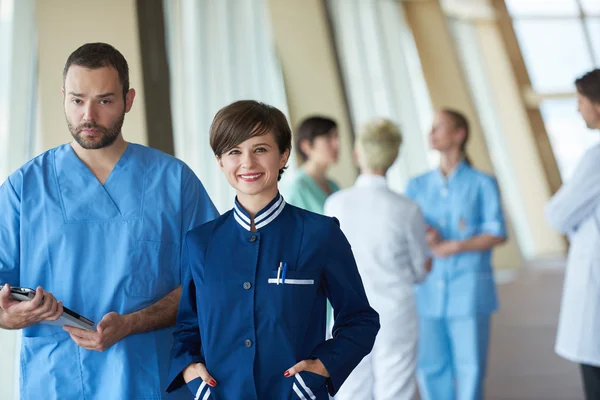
(248, 325)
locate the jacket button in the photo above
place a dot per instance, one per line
(248, 343)
(247, 285)
(253, 238)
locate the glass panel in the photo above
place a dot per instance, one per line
(497, 140)
(593, 26)
(591, 6)
(555, 52)
(543, 7)
(568, 134)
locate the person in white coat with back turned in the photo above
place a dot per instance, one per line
(575, 210)
(387, 234)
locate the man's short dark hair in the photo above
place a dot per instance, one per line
(99, 55)
(589, 85)
(245, 119)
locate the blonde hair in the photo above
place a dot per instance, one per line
(378, 143)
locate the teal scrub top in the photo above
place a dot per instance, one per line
(98, 248)
(302, 191)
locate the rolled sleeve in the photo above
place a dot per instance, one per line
(356, 323)
(493, 217)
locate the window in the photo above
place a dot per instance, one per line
(555, 52)
(567, 132)
(593, 26)
(560, 41)
(591, 6)
(546, 8)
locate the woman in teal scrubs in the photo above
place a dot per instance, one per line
(465, 221)
(318, 146)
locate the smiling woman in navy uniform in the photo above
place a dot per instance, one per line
(252, 317)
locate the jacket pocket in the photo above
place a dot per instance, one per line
(292, 278)
(308, 385)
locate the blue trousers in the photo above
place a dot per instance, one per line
(452, 357)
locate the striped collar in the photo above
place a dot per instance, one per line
(263, 218)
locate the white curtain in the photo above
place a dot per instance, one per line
(383, 77)
(219, 51)
(18, 81)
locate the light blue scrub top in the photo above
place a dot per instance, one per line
(98, 249)
(461, 206)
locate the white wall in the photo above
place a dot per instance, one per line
(63, 26)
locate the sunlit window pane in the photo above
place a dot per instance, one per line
(594, 30)
(555, 52)
(543, 7)
(591, 6)
(569, 136)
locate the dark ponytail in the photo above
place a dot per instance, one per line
(460, 122)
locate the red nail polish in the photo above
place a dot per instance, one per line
(212, 383)
(287, 373)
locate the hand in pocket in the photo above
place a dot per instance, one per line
(314, 366)
(198, 370)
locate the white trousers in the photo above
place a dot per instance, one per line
(388, 372)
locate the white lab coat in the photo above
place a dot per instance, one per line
(575, 211)
(387, 234)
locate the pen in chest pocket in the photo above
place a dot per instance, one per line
(281, 272)
(284, 272)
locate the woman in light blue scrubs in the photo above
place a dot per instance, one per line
(462, 208)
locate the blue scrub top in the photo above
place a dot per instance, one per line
(98, 248)
(246, 328)
(463, 205)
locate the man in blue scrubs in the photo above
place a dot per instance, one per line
(97, 223)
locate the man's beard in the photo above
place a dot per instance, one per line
(108, 137)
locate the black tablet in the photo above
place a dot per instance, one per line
(68, 317)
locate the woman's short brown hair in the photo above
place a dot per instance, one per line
(245, 119)
(310, 129)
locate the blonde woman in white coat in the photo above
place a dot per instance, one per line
(387, 234)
